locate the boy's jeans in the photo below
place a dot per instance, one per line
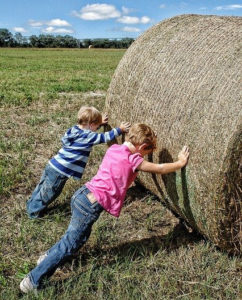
(49, 188)
(84, 214)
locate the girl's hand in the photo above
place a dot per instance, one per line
(183, 156)
(125, 126)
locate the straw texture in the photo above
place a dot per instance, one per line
(182, 77)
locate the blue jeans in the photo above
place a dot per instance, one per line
(49, 188)
(84, 214)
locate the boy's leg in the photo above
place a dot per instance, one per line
(84, 214)
(48, 189)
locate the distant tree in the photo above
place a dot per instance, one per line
(114, 43)
(20, 41)
(108, 43)
(86, 43)
(70, 42)
(98, 43)
(6, 38)
(34, 41)
(25, 42)
(126, 42)
(46, 41)
(51, 41)
(18, 38)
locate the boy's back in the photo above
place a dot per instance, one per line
(77, 144)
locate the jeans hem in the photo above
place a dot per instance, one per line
(31, 279)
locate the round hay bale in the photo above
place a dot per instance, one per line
(181, 77)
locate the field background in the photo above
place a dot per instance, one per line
(145, 254)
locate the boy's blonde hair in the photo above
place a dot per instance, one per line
(141, 133)
(88, 115)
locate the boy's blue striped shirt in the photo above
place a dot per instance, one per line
(76, 146)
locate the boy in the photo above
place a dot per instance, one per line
(71, 159)
(105, 191)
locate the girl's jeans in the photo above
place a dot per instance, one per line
(49, 188)
(84, 214)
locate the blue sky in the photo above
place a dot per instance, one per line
(102, 19)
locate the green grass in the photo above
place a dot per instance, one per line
(28, 73)
(145, 254)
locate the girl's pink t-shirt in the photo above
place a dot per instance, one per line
(116, 173)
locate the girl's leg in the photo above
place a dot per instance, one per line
(48, 189)
(84, 214)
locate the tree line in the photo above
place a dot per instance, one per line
(7, 39)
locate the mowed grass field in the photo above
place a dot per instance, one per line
(145, 254)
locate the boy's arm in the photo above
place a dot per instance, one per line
(106, 137)
(166, 167)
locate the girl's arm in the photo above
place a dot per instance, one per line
(166, 168)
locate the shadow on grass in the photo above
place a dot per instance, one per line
(63, 209)
(179, 236)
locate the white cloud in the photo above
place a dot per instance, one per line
(145, 20)
(52, 29)
(129, 20)
(53, 22)
(126, 10)
(162, 6)
(34, 23)
(57, 22)
(93, 12)
(134, 20)
(229, 7)
(130, 29)
(19, 29)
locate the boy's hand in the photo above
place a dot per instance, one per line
(104, 119)
(125, 126)
(183, 156)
